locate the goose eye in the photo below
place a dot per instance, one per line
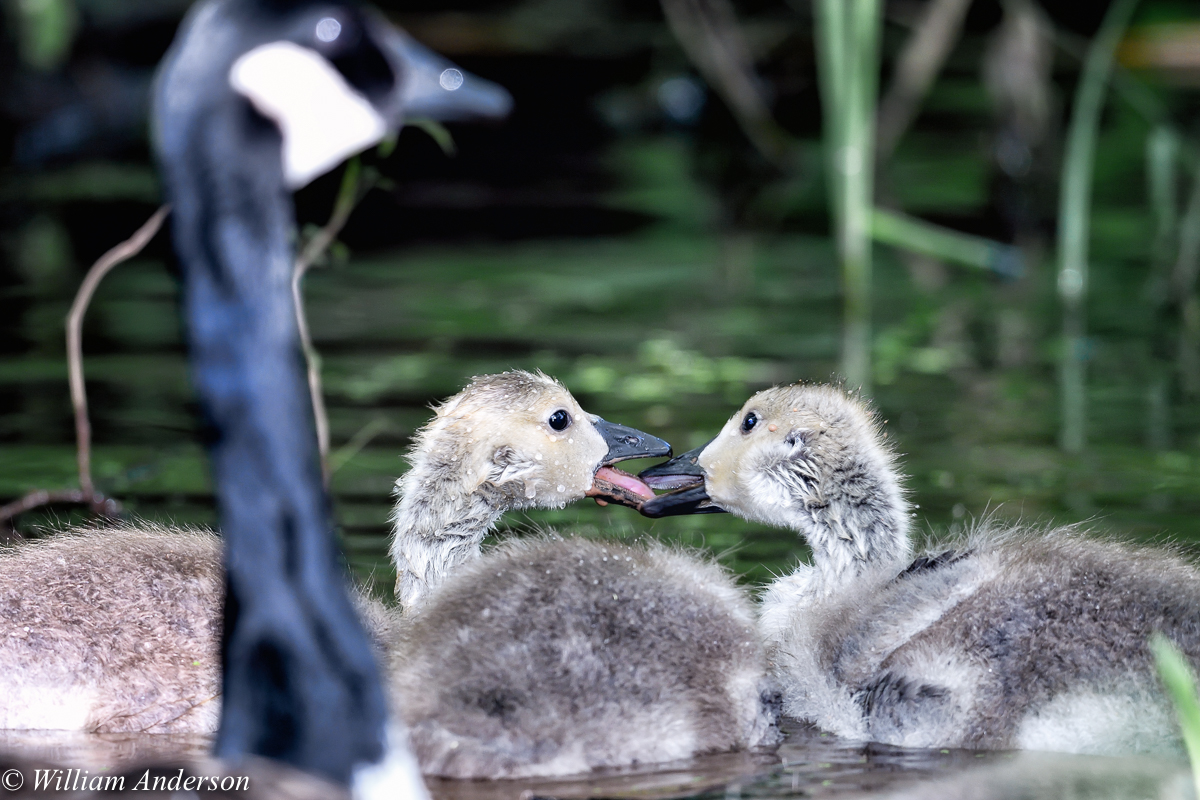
(749, 422)
(559, 420)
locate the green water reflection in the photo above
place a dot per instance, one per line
(669, 330)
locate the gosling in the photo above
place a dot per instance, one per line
(556, 656)
(1012, 637)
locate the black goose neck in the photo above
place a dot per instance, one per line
(300, 682)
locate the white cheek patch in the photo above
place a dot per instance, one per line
(322, 118)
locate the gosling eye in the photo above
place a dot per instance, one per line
(559, 420)
(749, 422)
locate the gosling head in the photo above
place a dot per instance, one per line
(520, 440)
(805, 457)
(510, 441)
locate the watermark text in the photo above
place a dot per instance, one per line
(79, 780)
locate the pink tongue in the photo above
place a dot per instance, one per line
(625, 481)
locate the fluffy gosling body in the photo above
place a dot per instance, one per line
(1015, 637)
(111, 631)
(554, 657)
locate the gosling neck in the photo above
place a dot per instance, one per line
(856, 521)
(446, 505)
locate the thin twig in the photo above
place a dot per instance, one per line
(313, 361)
(348, 196)
(351, 191)
(105, 506)
(917, 67)
(86, 494)
(357, 442)
(122, 252)
(710, 36)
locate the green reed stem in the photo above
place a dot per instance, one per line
(919, 236)
(848, 64)
(1074, 217)
(1162, 181)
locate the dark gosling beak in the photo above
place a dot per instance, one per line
(682, 470)
(693, 500)
(625, 443)
(683, 474)
(610, 484)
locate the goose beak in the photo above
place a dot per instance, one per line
(694, 500)
(684, 475)
(682, 470)
(434, 88)
(611, 485)
(625, 443)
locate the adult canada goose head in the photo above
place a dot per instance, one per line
(506, 442)
(332, 77)
(254, 99)
(805, 457)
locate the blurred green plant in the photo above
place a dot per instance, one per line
(918, 236)
(43, 254)
(664, 372)
(1163, 173)
(436, 131)
(1181, 288)
(899, 347)
(656, 178)
(397, 373)
(848, 67)
(1162, 186)
(45, 31)
(346, 453)
(848, 51)
(319, 245)
(97, 181)
(1074, 221)
(1180, 681)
